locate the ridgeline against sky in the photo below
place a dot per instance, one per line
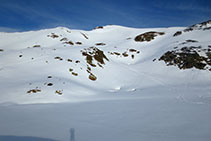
(22, 15)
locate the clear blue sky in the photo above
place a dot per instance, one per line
(22, 15)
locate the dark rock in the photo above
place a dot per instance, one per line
(187, 57)
(99, 27)
(53, 35)
(94, 53)
(69, 42)
(78, 43)
(50, 84)
(125, 54)
(58, 58)
(75, 74)
(92, 77)
(36, 46)
(64, 39)
(100, 44)
(59, 92)
(34, 91)
(177, 33)
(132, 50)
(85, 36)
(148, 36)
(77, 61)
(69, 60)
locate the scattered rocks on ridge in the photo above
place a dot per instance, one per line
(128, 52)
(201, 26)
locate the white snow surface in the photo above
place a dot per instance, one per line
(132, 98)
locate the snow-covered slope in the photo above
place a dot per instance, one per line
(63, 65)
(111, 83)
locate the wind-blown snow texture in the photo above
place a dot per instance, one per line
(110, 83)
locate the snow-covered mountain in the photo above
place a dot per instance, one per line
(111, 83)
(62, 65)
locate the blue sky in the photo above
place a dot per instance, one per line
(23, 15)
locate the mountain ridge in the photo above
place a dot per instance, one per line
(60, 64)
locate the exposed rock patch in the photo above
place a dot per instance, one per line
(64, 39)
(36, 46)
(94, 53)
(53, 35)
(177, 33)
(58, 58)
(99, 27)
(100, 44)
(77, 61)
(92, 77)
(148, 36)
(59, 92)
(74, 73)
(50, 84)
(69, 43)
(85, 36)
(125, 54)
(68, 31)
(189, 41)
(70, 69)
(69, 60)
(34, 91)
(78, 43)
(188, 57)
(134, 50)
